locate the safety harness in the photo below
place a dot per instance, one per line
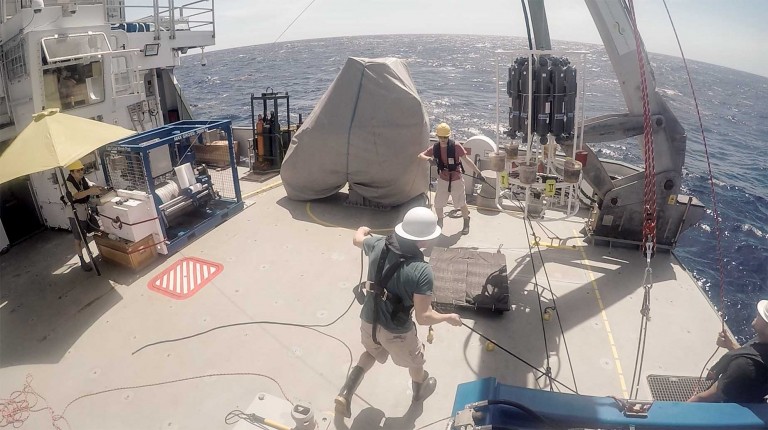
(452, 166)
(755, 351)
(80, 187)
(400, 314)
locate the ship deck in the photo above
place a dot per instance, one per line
(73, 333)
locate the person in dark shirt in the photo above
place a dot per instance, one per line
(741, 375)
(387, 323)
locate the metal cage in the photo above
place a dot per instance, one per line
(187, 168)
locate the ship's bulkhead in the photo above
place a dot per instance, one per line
(92, 61)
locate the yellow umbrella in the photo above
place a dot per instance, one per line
(53, 140)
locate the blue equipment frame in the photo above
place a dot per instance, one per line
(523, 408)
(179, 135)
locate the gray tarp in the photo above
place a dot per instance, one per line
(366, 130)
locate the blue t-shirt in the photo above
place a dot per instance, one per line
(413, 277)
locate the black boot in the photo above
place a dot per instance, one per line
(465, 230)
(344, 399)
(424, 389)
(83, 265)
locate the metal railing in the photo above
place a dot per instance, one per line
(161, 16)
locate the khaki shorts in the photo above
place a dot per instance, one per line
(406, 349)
(458, 195)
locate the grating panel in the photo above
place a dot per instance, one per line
(126, 169)
(467, 277)
(676, 388)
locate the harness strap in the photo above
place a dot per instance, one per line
(82, 186)
(451, 154)
(379, 286)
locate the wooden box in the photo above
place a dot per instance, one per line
(215, 153)
(133, 255)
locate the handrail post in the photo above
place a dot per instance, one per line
(172, 13)
(213, 17)
(156, 5)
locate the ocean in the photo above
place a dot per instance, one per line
(455, 76)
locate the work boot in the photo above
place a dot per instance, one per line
(344, 399)
(465, 230)
(422, 390)
(83, 265)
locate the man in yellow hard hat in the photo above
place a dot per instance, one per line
(79, 191)
(450, 158)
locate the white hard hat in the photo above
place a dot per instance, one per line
(418, 224)
(762, 309)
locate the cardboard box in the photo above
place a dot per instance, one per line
(133, 255)
(215, 153)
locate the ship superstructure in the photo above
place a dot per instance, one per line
(109, 60)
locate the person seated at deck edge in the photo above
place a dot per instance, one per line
(81, 190)
(401, 285)
(741, 375)
(449, 157)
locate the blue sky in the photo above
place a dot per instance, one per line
(731, 33)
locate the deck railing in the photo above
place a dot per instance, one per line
(162, 15)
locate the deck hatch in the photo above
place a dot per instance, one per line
(671, 388)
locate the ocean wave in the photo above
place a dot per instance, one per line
(752, 229)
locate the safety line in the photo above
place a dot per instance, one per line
(263, 189)
(328, 224)
(565, 247)
(604, 316)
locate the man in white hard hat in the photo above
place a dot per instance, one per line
(741, 375)
(401, 286)
(81, 190)
(450, 158)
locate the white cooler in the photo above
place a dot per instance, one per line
(131, 207)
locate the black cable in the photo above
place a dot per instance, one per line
(294, 20)
(549, 288)
(639, 357)
(175, 381)
(517, 405)
(538, 294)
(697, 390)
(312, 327)
(527, 25)
(433, 423)
(517, 357)
(237, 413)
(552, 294)
(307, 326)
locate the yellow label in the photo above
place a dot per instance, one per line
(672, 199)
(504, 179)
(549, 188)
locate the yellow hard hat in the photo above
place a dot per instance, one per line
(443, 130)
(77, 165)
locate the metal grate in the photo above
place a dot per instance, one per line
(214, 153)
(15, 62)
(469, 278)
(676, 388)
(126, 170)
